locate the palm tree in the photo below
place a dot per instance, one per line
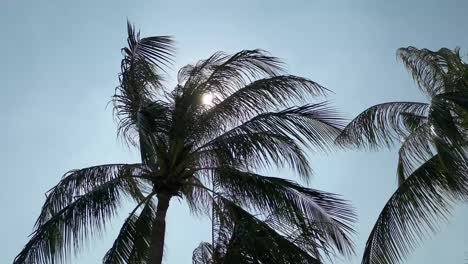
(432, 172)
(240, 237)
(188, 143)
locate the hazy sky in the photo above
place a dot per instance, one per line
(60, 65)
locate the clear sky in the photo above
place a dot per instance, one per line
(59, 67)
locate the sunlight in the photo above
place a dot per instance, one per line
(433, 131)
(207, 99)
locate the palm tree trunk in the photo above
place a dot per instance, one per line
(159, 230)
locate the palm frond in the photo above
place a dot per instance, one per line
(154, 126)
(381, 125)
(275, 136)
(444, 122)
(256, 98)
(133, 240)
(155, 117)
(203, 254)
(67, 229)
(414, 211)
(156, 50)
(324, 214)
(219, 75)
(232, 72)
(197, 196)
(415, 149)
(243, 238)
(411, 121)
(223, 74)
(453, 160)
(256, 150)
(435, 71)
(79, 182)
(139, 79)
(426, 68)
(191, 76)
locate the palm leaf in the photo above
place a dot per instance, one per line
(435, 72)
(314, 126)
(222, 74)
(219, 75)
(255, 150)
(414, 211)
(139, 80)
(381, 125)
(156, 50)
(203, 254)
(411, 121)
(133, 240)
(154, 126)
(197, 196)
(256, 98)
(230, 73)
(324, 214)
(243, 238)
(66, 230)
(426, 68)
(415, 149)
(79, 182)
(191, 76)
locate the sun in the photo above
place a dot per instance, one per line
(207, 99)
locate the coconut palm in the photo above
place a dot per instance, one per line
(432, 172)
(229, 116)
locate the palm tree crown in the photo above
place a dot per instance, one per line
(432, 166)
(204, 153)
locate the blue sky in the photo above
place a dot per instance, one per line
(60, 64)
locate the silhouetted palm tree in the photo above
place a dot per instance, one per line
(186, 145)
(432, 171)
